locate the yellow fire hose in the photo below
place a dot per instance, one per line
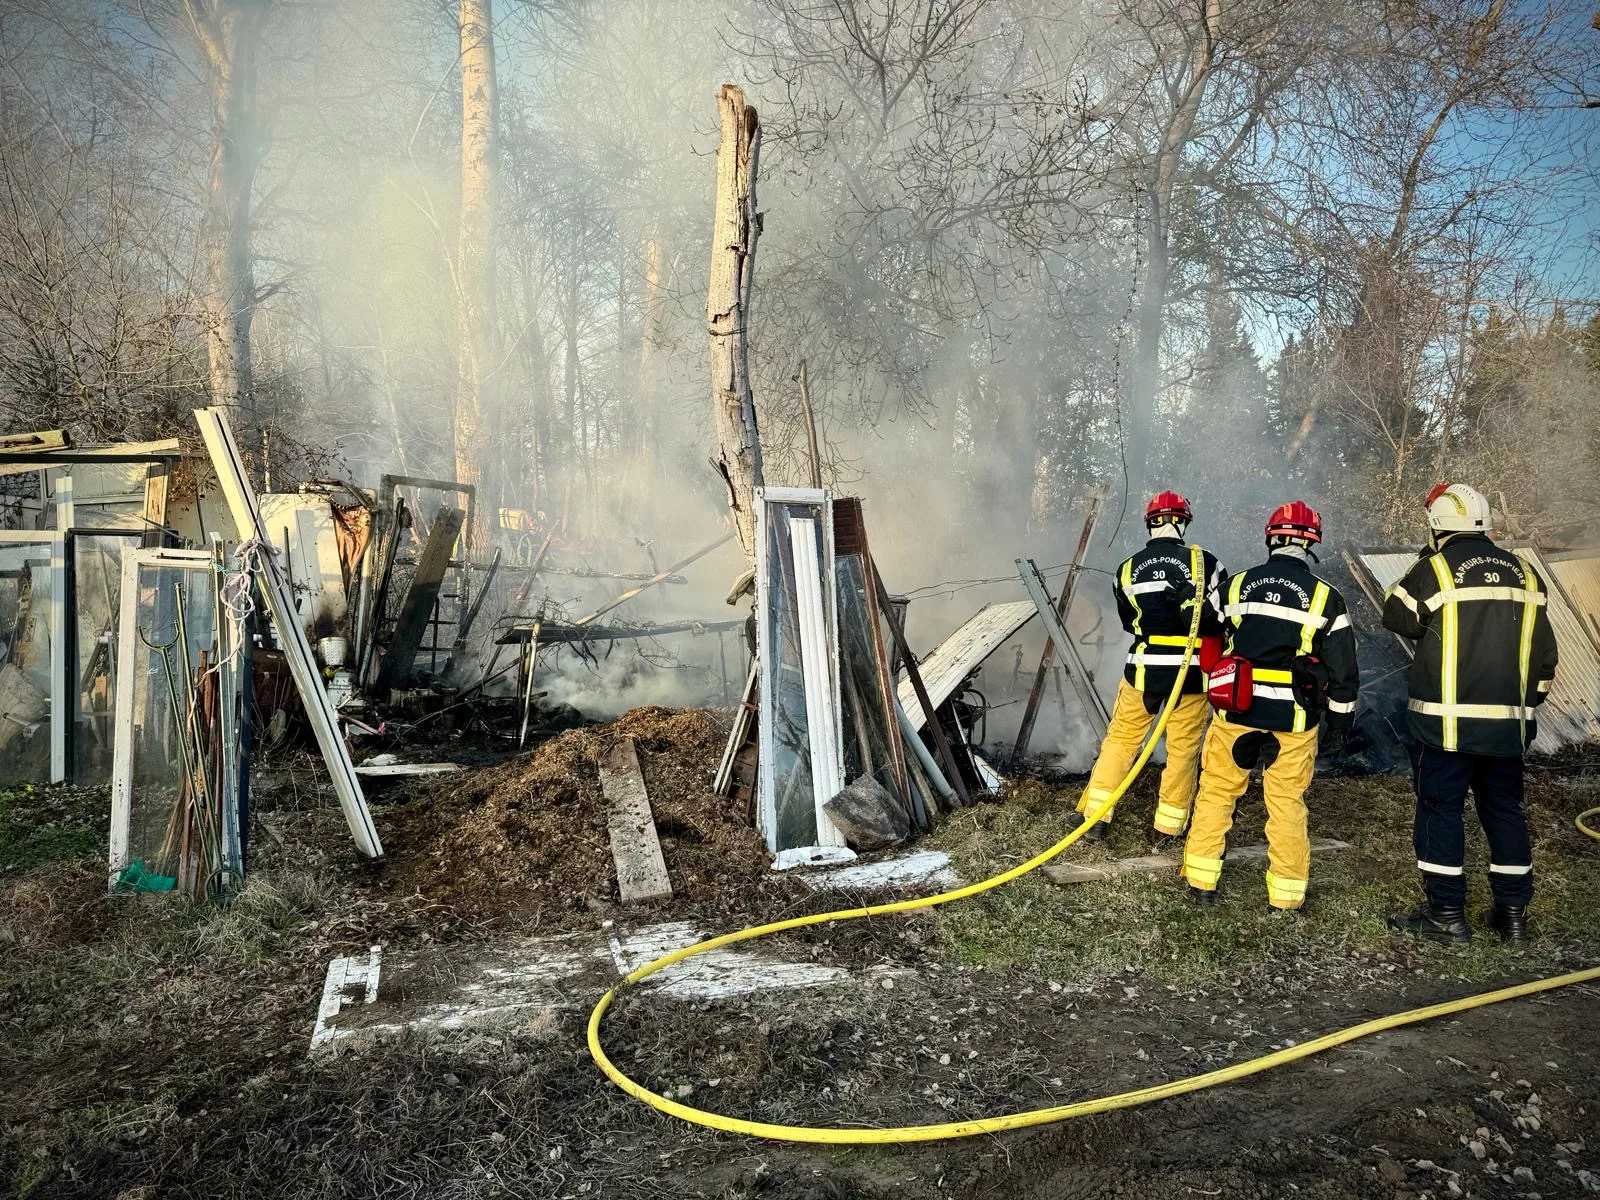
(1584, 816)
(1039, 1116)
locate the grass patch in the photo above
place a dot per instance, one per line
(51, 824)
(1147, 924)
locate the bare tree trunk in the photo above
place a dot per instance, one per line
(733, 255)
(475, 283)
(1146, 374)
(647, 436)
(814, 451)
(229, 33)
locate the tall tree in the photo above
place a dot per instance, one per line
(475, 250)
(228, 33)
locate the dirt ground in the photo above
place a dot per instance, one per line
(148, 1049)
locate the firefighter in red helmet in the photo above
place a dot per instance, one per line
(1289, 634)
(1154, 589)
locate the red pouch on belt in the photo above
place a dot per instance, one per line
(1230, 684)
(1207, 652)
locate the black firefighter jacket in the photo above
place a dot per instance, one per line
(1485, 651)
(1280, 612)
(1152, 589)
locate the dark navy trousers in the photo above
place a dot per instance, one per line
(1443, 778)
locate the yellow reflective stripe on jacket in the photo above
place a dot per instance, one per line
(1473, 712)
(1308, 635)
(1127, 590)
(1530, 614)
(1235, 589)
(1162, 639)
(1138, 620)
(1465, 594)
(1264, 675)
(1308, 632)
(1447, 658)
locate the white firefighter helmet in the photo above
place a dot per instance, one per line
(1457, 508)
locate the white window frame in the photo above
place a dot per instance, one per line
(56, 539)
(818, 619)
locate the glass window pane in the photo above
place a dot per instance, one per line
(25, 648)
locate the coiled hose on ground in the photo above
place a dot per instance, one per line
(1039, 1116)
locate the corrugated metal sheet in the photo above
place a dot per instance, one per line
(1578, 572)
(957, 656)
(1572, 714)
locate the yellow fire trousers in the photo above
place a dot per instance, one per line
(1223, 780)
(1130, 722)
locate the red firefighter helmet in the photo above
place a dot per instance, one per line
(1296, 519)
(1167, 506)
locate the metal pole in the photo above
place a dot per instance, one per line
(1030, 713)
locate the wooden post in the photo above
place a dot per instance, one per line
(736, 229)
(1031, 712)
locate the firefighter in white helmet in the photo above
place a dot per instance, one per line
(1484, 661)
(1155, 590)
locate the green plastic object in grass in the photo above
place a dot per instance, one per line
(135, 878)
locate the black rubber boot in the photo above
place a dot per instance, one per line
(1435, 924)
(1162, 843)
(1510, 921)
(1098, 832)
(1202, 897)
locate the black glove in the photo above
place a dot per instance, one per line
(1540, 696)
(1335, 730)
(1182, 591)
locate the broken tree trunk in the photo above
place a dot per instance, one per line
(475, 317)
(736, 229)
(229, 34)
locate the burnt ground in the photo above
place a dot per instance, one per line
(151, 1049)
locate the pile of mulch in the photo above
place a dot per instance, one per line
(52, 906)
(527, 838)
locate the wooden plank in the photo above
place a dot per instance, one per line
(641, 871)
(417, 607)
(389, 770)
(722, 784)
(235, 485)
(44, 439)
(960, 654)
(1159, 864)
(156, 486)
(17, 462)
